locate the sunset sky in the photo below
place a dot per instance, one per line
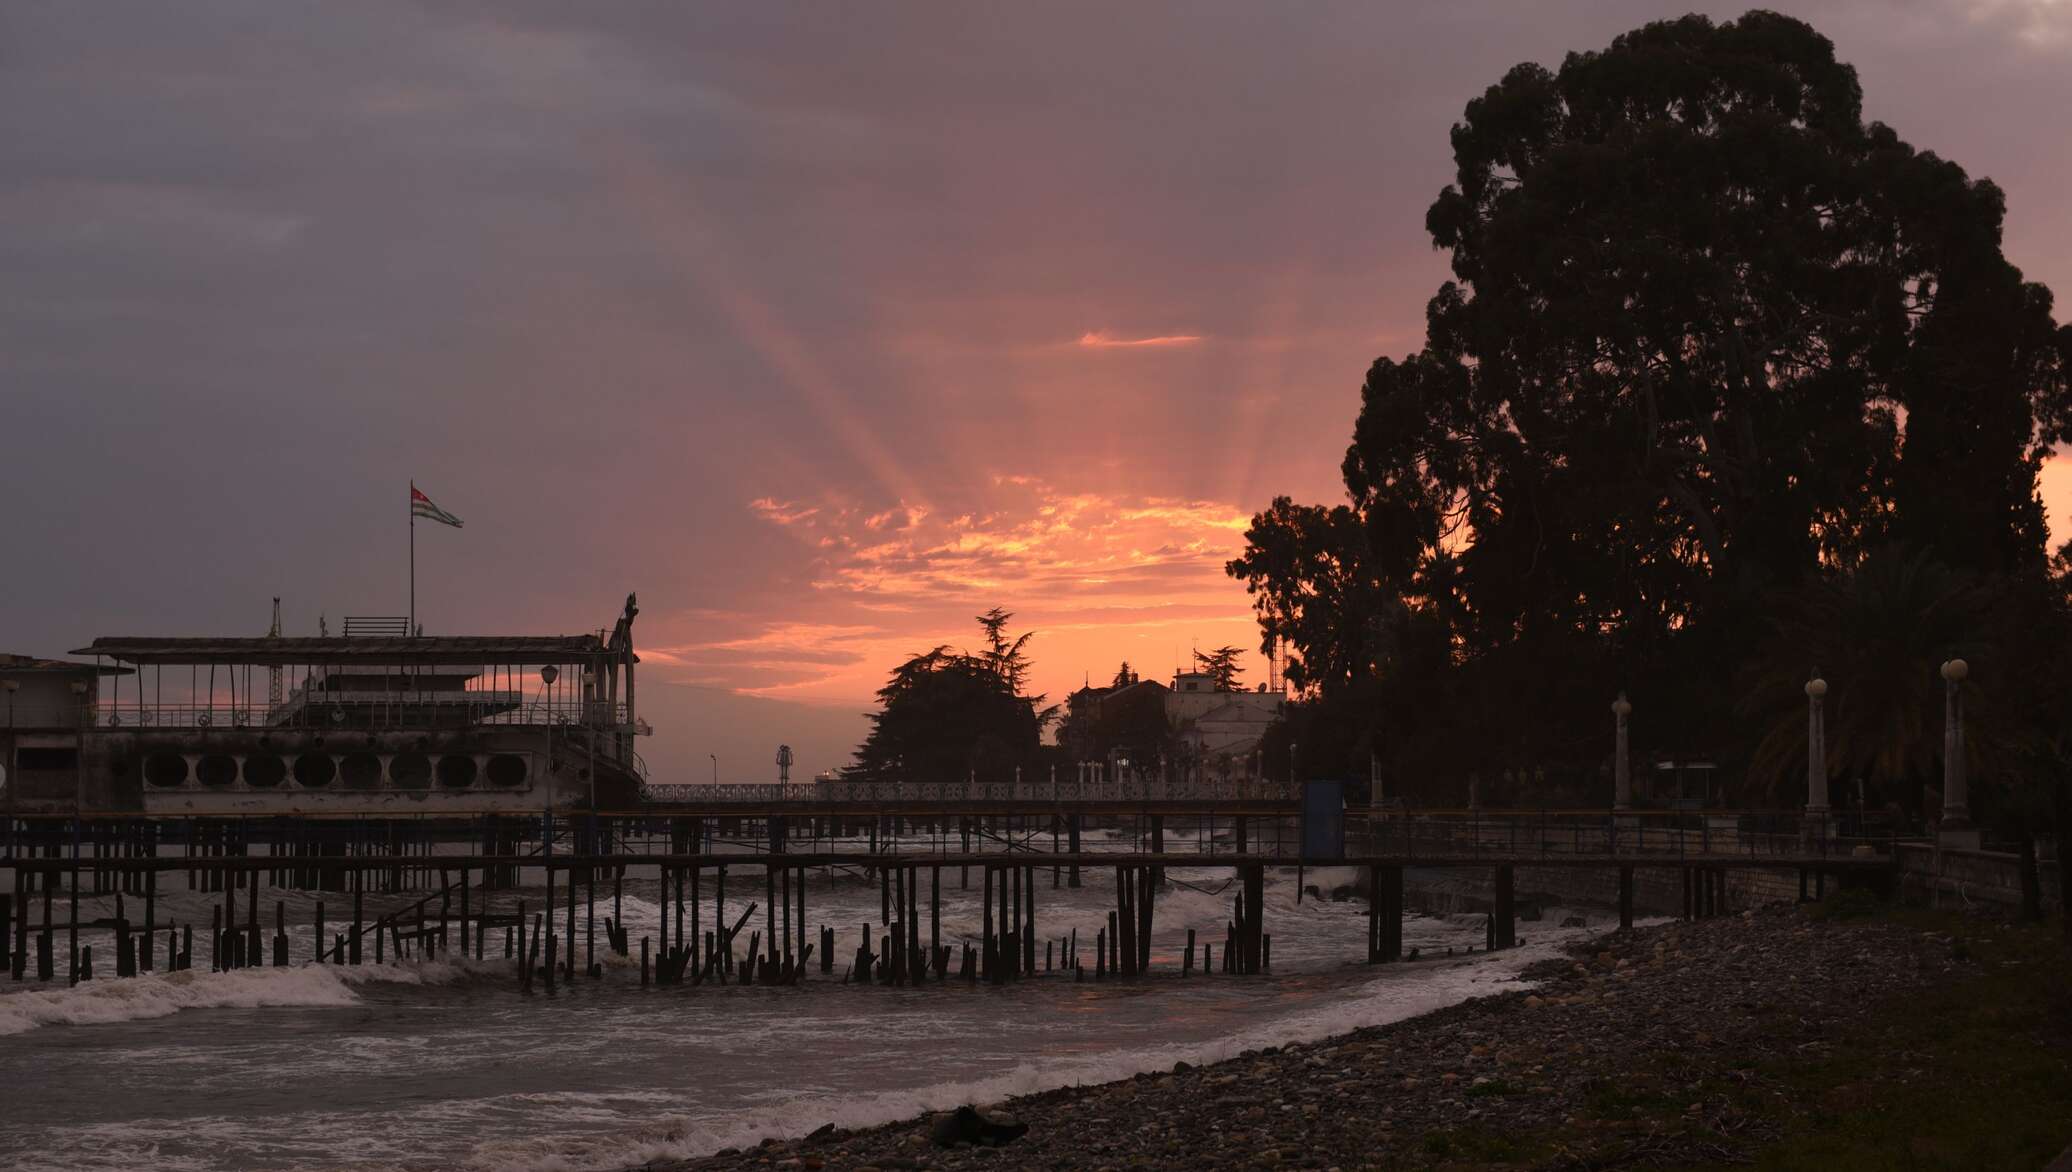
(822, 327)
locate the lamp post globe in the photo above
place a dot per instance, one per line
(1816, 748)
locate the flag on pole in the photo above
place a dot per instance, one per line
(422, 506)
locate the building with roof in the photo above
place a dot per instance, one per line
(1190, 728)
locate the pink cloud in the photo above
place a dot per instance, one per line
(1100, 340)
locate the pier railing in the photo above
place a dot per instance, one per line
(1519, 834)
(1149, 790)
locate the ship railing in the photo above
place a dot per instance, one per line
(463, 711)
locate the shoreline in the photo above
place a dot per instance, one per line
(1452, 1082)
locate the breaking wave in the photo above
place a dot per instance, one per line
(105, 1001)
(1404, 993)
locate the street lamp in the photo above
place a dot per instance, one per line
(715, 767)
(1956, 819)
(1816, 746)
(1622, 773)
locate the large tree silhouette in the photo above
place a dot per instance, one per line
(947, 715)
(1710, 336)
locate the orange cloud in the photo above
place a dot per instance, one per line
(1100, 340)
(1100, 576)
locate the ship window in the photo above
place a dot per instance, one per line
(410, 771)
(361, 770)
(29, 759)
(507, 769)
(314, 770)
(456, 772)
(265, 771)
(165, 769)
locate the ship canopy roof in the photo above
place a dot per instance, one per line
(23, 664)
(423, 649)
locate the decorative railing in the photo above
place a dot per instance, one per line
(357, 715)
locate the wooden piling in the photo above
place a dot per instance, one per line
(1122, 923)
(1506, 910)
(1072, 830)
(359, 917)
(1029, 919)
(72, 929)
(465, 909)
(149, 881)
(21, 927)
(992, 965)
(1626, 898)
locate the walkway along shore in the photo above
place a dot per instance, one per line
(1688, 1022)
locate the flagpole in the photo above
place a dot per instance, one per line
(411, 629)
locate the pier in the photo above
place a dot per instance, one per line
(448, 885)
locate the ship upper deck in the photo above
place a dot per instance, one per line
(268, 651)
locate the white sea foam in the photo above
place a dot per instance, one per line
(152, 995)
(1404, 992)
(161, 994)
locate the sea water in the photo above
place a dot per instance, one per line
(447, 1064)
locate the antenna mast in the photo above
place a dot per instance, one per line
(273, 674)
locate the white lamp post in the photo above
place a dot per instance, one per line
(1956, 827)
(1816, 746)
(1622, 772)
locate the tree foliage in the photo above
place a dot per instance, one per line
(948, 715)
(1711, 341)
(1220, 665)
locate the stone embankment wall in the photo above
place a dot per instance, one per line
(1961, 878)
(1656, 890)
(1942, 878)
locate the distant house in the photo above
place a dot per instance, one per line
(1189, 728)
(1219, 731)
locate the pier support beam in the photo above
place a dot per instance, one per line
(1505, 913)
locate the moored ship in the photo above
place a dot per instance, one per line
(379, 720)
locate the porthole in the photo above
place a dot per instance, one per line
(165, 769)
(456, 772)
(265, 771)
(360, 771)
(507, 769)
(410, 771)
(315, 770)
